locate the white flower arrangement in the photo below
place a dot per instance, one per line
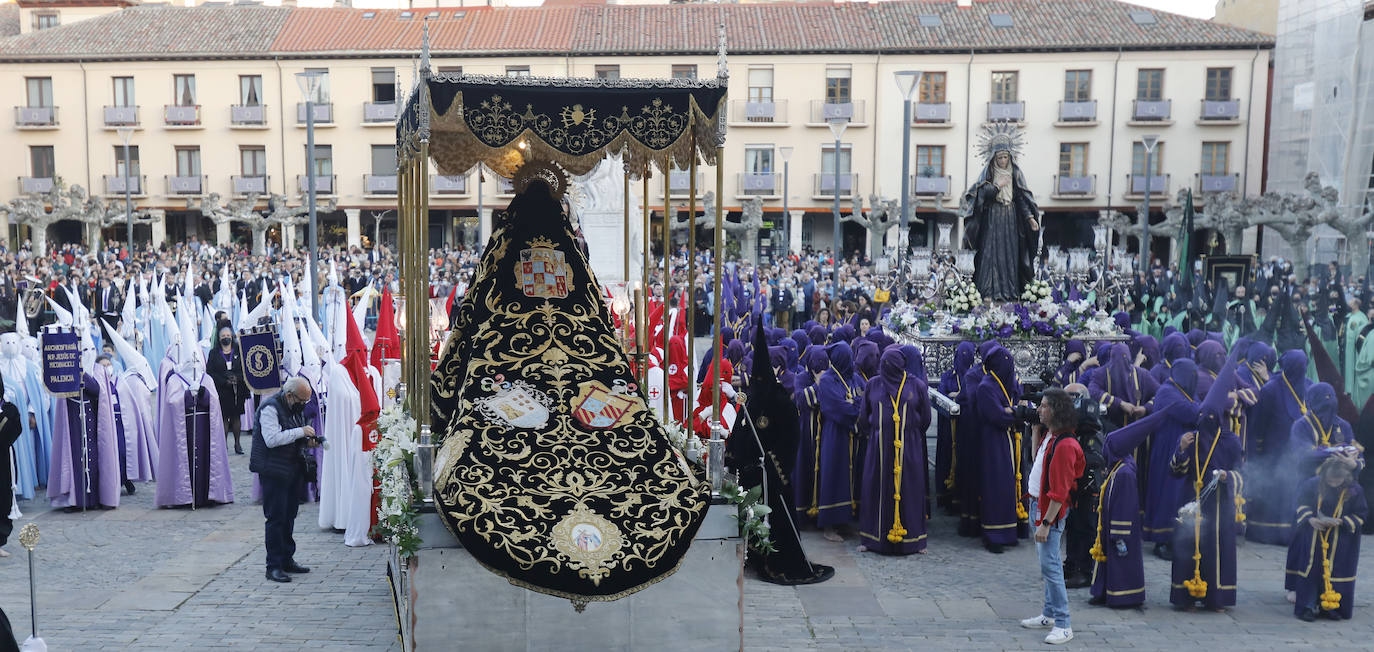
(393, 469)
(688, 443)
(961, 297)
(1100, 324)
(1036, 291)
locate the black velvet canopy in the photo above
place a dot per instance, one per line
(574, 122)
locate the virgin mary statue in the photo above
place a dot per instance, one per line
(1001, 223)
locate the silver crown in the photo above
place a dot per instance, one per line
(548, 172)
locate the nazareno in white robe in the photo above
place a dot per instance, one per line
(346, 471)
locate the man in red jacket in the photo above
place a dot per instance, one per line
(1058, 464)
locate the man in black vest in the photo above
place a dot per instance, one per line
(279, 435)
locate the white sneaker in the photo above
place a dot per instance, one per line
(1059, 636)
(1038, 622)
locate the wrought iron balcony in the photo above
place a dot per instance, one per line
(927, 112)
(188, 185)
(379, 184)
(1078, 111)
(769, 112)
(35, 184)
(440, 184)
(679, 183)
(248, 115)
(114, 184)
(324, 114)
(766, 184)
(1223, 110)
(1070, 186)
(1158, 184)
(823, 111)
(35, 117)
(1217, 183)
(250, 185)
(379, 112)
(181, 116)
(930, 185)
(121, 116)
(324, 184)
(1151, 110)
(825, 184)
(1006, 111)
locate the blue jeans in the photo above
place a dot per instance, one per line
(1052, 570)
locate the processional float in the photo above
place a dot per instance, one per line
(539, 453)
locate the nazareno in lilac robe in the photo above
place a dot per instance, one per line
(1177, 403)
(91, 479)
(1305, 567)
(193, 464)
(837, 396)
(892, 513)
(1000, 481)
(140, 439)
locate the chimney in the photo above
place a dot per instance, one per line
(964, 4)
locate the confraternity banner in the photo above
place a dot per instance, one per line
(260, 362)
(61, 362)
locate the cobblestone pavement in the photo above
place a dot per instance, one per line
(960, 597)
(139, 577)
(158, 579)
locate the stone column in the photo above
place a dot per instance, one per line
(159, 224)
(5, 231)
(222, 234)
(794, 236)
(355, 226)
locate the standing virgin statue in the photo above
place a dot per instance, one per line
(1001, 221)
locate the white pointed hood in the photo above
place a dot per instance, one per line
(128, 314)
(290, 339)
(134, 361)
(364, 302)
(64, 318)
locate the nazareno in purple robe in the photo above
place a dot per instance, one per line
(806, 475)
(947, 444)
(837, 396)
(1175, 347)
(1119, 579)
(1305, 567)
(892, 513)
(1000, 481)
(1270, 497)
(1177, 404)
(968, 467)
(1215, 454)
(84, 467)
(193, 464)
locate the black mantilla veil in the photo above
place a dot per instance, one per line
(982, 232)
(552, 471)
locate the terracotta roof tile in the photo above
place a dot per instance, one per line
(155, 32)
(585, 29)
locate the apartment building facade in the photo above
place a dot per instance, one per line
(209, 99)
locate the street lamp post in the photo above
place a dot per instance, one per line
(125, 134)
(786, 153)
(837, 127)
(1149, 141)
(309, 83)
(907, 81)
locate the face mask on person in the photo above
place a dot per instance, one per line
(225, 341)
